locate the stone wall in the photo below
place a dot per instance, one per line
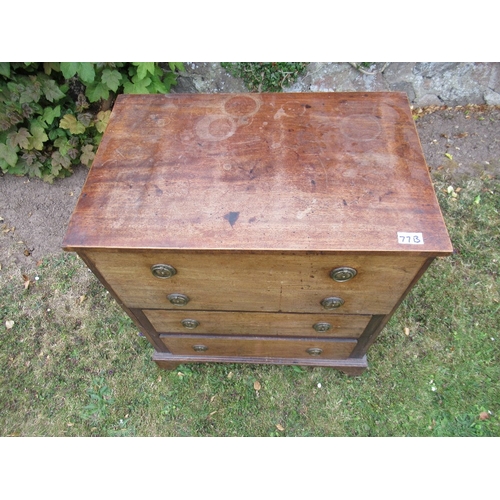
(425, 83)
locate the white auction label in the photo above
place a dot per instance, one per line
(410, 238)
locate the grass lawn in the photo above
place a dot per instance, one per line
(73, 364)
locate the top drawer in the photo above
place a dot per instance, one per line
(234, 281)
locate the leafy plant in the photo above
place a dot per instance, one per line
(53, 115)
(369, 68)
(101, 398)
(266, 77)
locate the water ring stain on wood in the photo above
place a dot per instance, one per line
(215, 127)
(360, 127)
(242, 106)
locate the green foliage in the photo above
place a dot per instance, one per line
(53, 115)
(100, 399)
(266, 77)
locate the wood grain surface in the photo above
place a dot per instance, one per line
(318, 172)
(263, 324)
(350, 366)
(258, 346)
(253, 199)
(236, 281)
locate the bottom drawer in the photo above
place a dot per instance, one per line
(258, 346)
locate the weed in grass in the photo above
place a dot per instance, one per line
(100, 400)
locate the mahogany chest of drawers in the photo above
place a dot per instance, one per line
(259, 228)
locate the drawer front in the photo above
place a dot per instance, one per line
(259, 324)
(258, 346)
(257, 282)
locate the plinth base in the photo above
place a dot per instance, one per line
(353, 366)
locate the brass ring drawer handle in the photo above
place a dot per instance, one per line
(314, 351)
(322, 326)
(163, 271)
(332, 302)
(190, 324)
(178, 299)
(342, 274)
(200, 348)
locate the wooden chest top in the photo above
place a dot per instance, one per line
(334, 172)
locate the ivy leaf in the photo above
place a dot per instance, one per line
(31, 93)
(159, 72)
(31, 165)
(63, 145)
(85, 118)
(51, 90)
(56, 134)
(69, 122)
(169, 80)
(81, 103)
(102, 120)
(37, 122)
(38, 138)
(5, 69)
(29, 109)
(96, 91)
(143, 68)
(158, 86)
(19, 169)
(111, 78)
(176, 65)
(59, 161)
(48, 177)
(50, 113)
(29, 158)
(34, 170)
(49, 66)
(137, 86)
(19, 138)
(73, 153)
(69, 69)
(15, 89)
(88, 155)
(8, 154)
(86, 72)
(55, 169)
